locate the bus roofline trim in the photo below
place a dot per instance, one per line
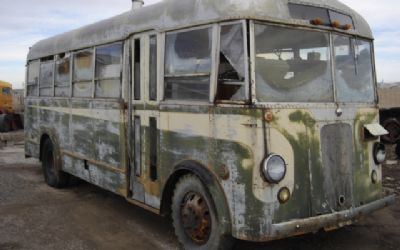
(326, 222)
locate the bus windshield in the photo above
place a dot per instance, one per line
(295, 65)
(6, 91)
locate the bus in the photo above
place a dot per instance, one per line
(252, 120)
(10, 117)
(5, 98)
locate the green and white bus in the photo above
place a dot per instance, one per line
(253, 120)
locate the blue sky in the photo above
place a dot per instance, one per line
(24, 22)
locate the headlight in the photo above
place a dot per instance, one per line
(379, 153)
(274, 168)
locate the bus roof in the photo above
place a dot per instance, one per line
(175, 14)
(5, 84)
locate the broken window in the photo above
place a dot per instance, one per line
(108, 70)
(353, 69)
(153, 68)
(46, 77)
(188, 65)
(83, 74)
(62, 79)
(33, 78)
(232, 69)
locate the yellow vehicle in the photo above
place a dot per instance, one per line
(5, 98)
(8, 119)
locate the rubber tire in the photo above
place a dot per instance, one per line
(53, 176)
(398, 150)
(5, 123)
(393, 122)
(217, 241)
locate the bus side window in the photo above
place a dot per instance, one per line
(188, 65)
(108, 70)
(83, 74)
(33, 78)
(62, 78)
(232, 70)
(46, 77)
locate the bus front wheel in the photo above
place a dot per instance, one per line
(194, 217)
(53, 176)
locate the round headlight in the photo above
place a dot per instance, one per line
(274, 168)
(379, 153)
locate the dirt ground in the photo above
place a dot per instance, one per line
(35, 216)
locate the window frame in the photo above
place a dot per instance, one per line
(307, 104)
(144, 39)
(246, 81)
(52, 62)
(120, 78)
(132, 68)
(353, 41)
(27, 79)
(74, 53)
(213, 75)
(71, 58)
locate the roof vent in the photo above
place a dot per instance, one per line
(137, 4)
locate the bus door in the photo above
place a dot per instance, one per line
(144, 119)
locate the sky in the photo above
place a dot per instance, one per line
(24, 22)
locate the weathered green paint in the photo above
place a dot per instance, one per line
(304, 118)
(365, 190)
(299, 204)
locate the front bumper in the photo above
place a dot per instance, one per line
(326, 222)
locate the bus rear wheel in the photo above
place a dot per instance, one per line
(194, 217)
(53, 176)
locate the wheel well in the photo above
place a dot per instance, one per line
(166, 200)
(42, 140)
(184, 168)
(210, 182)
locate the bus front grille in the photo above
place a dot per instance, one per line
(338, 161)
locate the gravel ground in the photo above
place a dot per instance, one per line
(35, 216)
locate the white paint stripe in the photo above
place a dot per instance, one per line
(112, 115)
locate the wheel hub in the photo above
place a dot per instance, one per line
(195, 217)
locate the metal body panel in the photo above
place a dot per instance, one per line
(175, 14)
(88, 133)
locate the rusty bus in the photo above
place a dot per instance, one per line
(253, 120)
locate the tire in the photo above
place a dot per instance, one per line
(53, 176)
(392, 125)
(195, 218)
(5, 123)
(398, 150)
